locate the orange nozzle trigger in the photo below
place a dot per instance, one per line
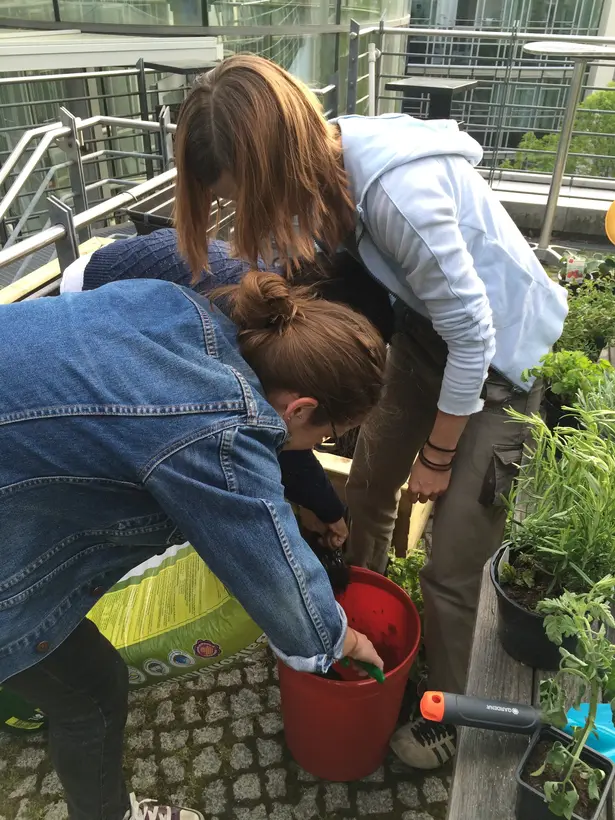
(432, 706)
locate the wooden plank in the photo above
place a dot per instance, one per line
(45, 274)
(483, 782)
(411, 518)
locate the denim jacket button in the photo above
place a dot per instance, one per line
(97, 592)
(42, 647)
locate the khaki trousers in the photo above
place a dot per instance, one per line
(469, 519)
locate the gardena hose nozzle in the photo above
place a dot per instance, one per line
(480, 713)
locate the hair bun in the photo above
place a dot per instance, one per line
(264, 301)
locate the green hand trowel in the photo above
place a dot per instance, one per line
(372, 670)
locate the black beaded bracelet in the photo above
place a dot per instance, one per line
(439, 449)
(432, 465)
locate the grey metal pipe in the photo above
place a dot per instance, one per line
(31, 245)
(474, 34)
(77, 75)
(34, 202)
(11, 194)
(574, 96)
(120, 200)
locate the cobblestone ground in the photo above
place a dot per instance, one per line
(216, 744)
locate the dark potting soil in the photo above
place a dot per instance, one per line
(528, 597)
(585, 808)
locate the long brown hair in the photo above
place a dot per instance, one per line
(295, 341)
(255, 121)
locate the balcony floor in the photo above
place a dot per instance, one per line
(216, 743)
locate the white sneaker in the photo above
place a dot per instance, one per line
(153, 810)
(424, 744)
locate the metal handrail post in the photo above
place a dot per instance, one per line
(71, 147)
(67, 245)
(147, 143)
(353, 67)
(373, 55)
(574, 96)
(166, 140)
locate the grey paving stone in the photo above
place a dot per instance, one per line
(408, 794)
(307, 807)
(242, 728)
(377, 801)
(207, 763)
(247, 787)
(136, 717)
(164, 713)
(276, 783)
(51, 784)
(141, 741)
(217, 707)
(336, 797)
(173, 770)
(246, 703)
(281, 811)
(375, 777)
(190, 711)
(205, 682)
(271, 723)
(24, 787)
(269, 752)
(230, 678)
(417, 815)
(172, 741)
(163, 691)
(145, 772)
(273, 697)
(434, 790)
(30, 758)
(56, 811)
(258, 673)
(215, 797)
(241, 756)
(208, 734)
(258, 813)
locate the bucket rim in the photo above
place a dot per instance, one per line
(375, 579)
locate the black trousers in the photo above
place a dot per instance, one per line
(83, 689)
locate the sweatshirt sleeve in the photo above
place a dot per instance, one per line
(306, 483)
(412, 218)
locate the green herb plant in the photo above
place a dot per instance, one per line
(568, 372)
(590, 324)
(405, 573)
(597, 405)
(592, 667)
(562, 531)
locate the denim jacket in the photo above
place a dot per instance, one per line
(129, 422)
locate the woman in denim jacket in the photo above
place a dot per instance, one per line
(137, 416)
(155, 256)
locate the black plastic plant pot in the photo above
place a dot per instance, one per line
(555, 415)
(521, 632)
(531, 803)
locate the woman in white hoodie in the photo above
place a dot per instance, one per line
(474, 310)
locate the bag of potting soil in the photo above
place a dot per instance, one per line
(17, 715)
(171, 617)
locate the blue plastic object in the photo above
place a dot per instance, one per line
(603, 740)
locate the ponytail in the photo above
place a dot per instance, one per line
(297, 342)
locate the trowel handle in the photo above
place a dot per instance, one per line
(481, 713)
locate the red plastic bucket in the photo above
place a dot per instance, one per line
(340, 730)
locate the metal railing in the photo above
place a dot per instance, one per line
(103, 135)
(518, 95)
(491, 112)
